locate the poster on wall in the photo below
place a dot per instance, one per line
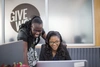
(20, 12)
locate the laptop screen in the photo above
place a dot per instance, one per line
(65, 63)
(11, 52)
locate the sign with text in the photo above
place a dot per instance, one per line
(22, 13)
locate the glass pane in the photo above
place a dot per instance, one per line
(19, 13)
(73, 19)
(0, 24)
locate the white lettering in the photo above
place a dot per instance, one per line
(20, 14)
(19, 17)
(24, 13)
(16, 15)
(17, 23)
(12, 17)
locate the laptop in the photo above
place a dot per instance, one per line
(11, 52)
(64, 63)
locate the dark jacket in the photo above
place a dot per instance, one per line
(60, 55)
(25, 35)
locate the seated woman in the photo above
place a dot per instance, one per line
(54, 48)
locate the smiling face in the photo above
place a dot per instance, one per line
(36, 29)
(54, 42)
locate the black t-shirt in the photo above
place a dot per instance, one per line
(24, 35)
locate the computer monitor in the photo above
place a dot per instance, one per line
(64, 63)
(11, 52)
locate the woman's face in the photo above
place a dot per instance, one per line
(36, 29)
(54, 42)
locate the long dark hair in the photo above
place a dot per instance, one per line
(48, 49)
(50, 34)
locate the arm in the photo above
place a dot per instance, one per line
(41, 57)
(25, 53)
(22, 36)
(68, 56)
(67, 53)
(43, 34)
